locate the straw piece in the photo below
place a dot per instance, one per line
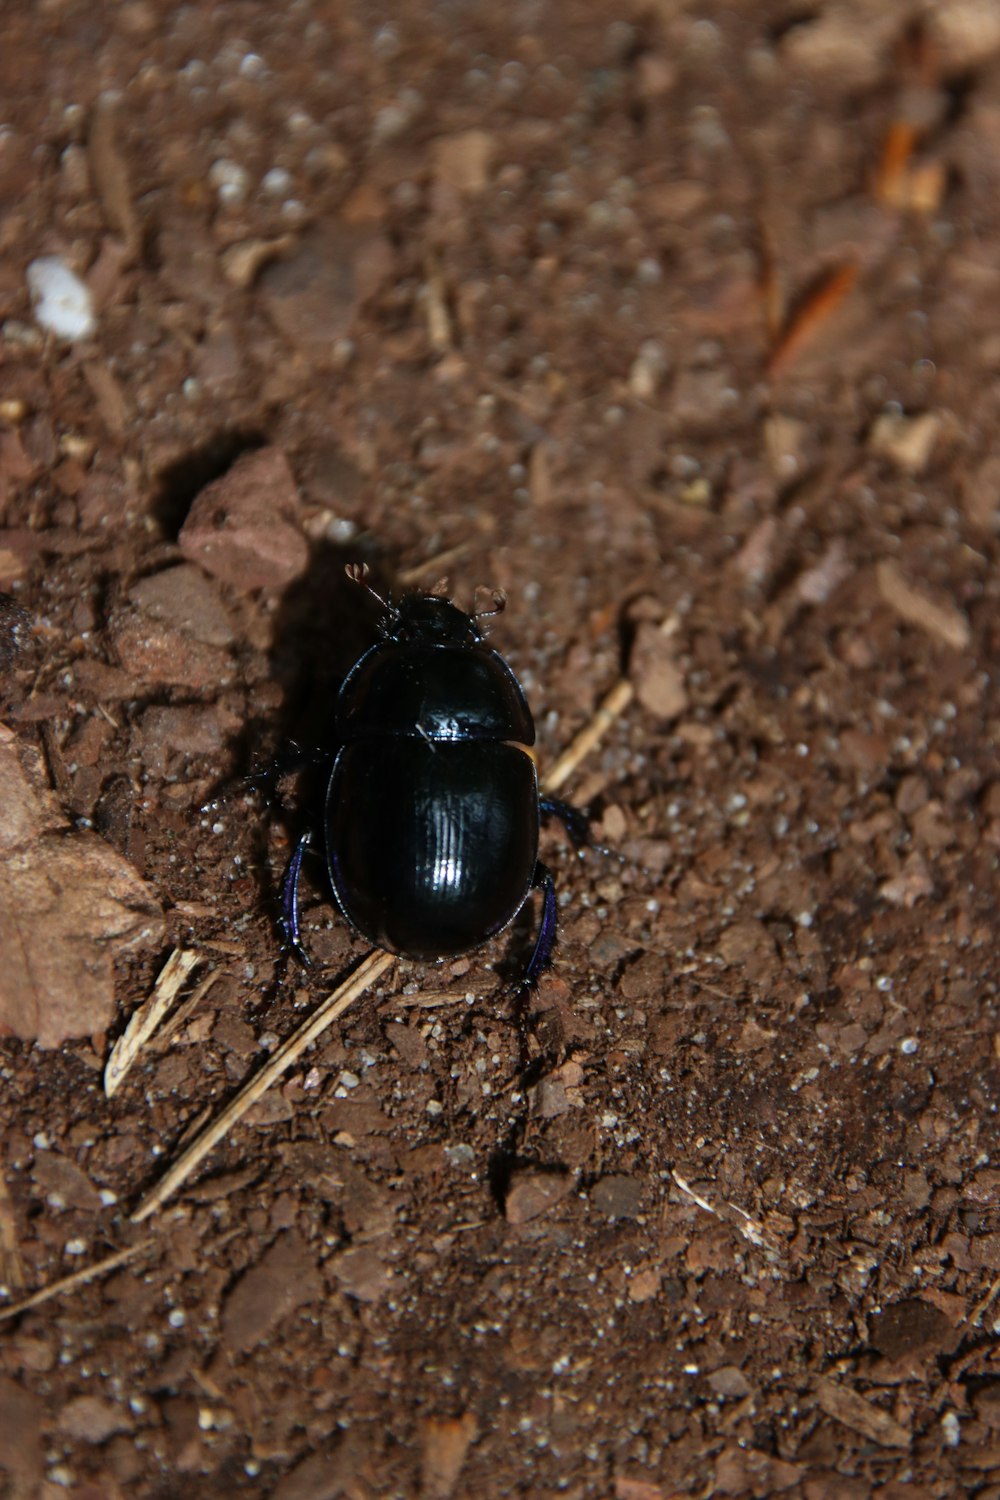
(612, 708)
(333, 1006)
(147, 1018)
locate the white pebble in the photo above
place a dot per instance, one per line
(61, 301)
(229, 179)
(276, 182)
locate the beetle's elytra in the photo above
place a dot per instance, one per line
(431, 820)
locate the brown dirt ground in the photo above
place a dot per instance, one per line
(691, 316)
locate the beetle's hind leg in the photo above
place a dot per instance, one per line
(542, 880)
(290, 923)
(575, 822)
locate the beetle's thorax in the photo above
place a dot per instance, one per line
(425, 617)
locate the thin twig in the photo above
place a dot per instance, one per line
(333, 1006)
(78, 1278)
(811, 318)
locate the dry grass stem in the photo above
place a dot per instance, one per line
(70, 1283)
(333, 1006)
(143, 1024)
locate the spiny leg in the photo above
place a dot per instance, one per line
(577, 825)
(575, 822)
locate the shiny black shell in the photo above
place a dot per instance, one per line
(432, 809)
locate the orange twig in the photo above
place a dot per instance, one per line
(809, 319)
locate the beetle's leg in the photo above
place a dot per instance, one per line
(290, 897)
(576, 823)
(547, 932)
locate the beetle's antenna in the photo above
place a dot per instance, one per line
(499, 597)
(358, 573)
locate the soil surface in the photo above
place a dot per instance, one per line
(681, 324)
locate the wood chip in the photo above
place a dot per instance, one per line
(861, 1415)
(944, 621)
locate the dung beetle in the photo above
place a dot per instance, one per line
(430, 828)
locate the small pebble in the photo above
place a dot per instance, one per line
(61, 301)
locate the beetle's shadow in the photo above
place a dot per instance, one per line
(321, 627)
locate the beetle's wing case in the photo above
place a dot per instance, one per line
(418, 689)
(429, 848)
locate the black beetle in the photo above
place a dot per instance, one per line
(432, 804)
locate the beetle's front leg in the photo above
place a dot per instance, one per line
(290, 898)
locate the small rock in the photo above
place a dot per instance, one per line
(910, 886)
(910, 1327)
(745, 941)
(531, 1193)
(92, 1419)
(244, 528)
(644, 978)
(186, 731)
(153, 653)
(659, 681)
(185, 599)
(865, 751)
(61, 301)
(617, 1196)
(362, 1273)
(703, 398)
(729, 1382)
(644, 1285)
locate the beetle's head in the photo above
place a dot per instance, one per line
(426, 617)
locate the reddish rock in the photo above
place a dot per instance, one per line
(245, 527)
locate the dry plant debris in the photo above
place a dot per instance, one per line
(68, 904)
